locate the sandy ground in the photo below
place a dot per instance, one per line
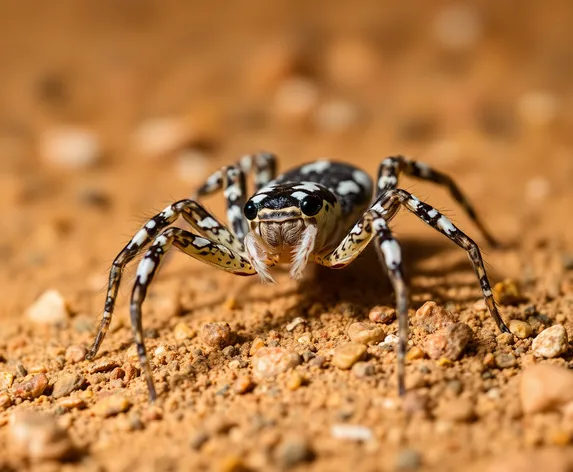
(170, 92)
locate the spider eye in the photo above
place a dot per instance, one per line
(250, 210)
(311, 205)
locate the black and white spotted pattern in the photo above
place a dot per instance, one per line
(323, 212)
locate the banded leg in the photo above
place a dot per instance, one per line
(232, 180)
(195, 214)
(389, 172)
(200, 248)
(390, 202)
(371, 225)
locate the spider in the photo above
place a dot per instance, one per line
(325, 212)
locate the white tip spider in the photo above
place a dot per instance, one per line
(318, 212)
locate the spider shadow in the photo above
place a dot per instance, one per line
(365, 282)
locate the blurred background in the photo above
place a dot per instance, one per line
(109, 109)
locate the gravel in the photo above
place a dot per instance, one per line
(432, 317)
(66, 384)
(351, 432)
(520, 329)
(293, 451)
(346, 355)
(365, 333)
(545, 387)
(551, 342)
(39, 437)
(50, 308)
(218, 335)
(271, 361)
(448, 343)
(31, 387)
(111, 405)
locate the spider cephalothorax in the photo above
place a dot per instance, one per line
(325, 212)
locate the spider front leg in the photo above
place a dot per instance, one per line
(372, 224)
(390, 202)
(201, 220)
(200, 248)
(391, 168)
(231, 179)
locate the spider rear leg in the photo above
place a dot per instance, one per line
(391, 201)
(200, 248)
(372, 224)
(195, 214)
(389, 172)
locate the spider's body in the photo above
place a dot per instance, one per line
(325, 212)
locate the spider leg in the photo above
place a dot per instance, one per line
(202, 221)
(232, 180)
(389, 172)
(390, 203)
(200, 248)
(372, 224)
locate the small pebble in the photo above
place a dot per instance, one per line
(111, 405)
(256, 345)
(380, 314)
(365, 334)
(551, 342)
(432, 317)
(352, 432)
(66, 384)
(346, 355)
(159, 136)
(294, 381)
(198, 439)
(103, 365)
(293, 451)
(363, 369)
(31, 387)
(458, 26)
(38, 436)
(271, 361)
(505, 360)
(458, 410)
(414, 353)
(507, 293)
(5, 401)
(70, 403)
(295, 99)
(75, 353)
(336, 116)
(294, 323)
(231, 351)
(243, 384)
(545, 387)
(448, 343)
(182, 331)
(6, 380)
(70, 147)
(505, 339)
(217, 335)
(408, 459)
(538, 108)
(520, 329)
(232, 463)
(49, 308)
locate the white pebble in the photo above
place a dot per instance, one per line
(352, 432)
(458, 27)
(551, 342)
(336, 116)
(70, 147)
(158, 136)
(295, 99)
(294, 323)
(390, 340)
(191, 166)
(537, 108)
(49, 308)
